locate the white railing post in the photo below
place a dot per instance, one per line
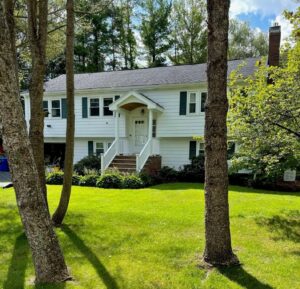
(102, 164)
(137, 163)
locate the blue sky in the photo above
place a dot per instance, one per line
(262, 13)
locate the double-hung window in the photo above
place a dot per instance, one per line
(55, 108)
(154, 126)
(94, 107)
(99, 148)
(106, 103)
(192, 104)
(46, 108)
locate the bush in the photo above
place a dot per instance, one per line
(166, 175)
(110, 180)
(148, 180)
(132, 182)
(193, 172)
(89, 180)
(55, 178)
(76, 180)
(88, 163)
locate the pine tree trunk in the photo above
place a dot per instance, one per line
(37, 31)
(47, 256)
(218, 249)
(69, 155)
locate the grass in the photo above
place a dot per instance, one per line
(154, 238)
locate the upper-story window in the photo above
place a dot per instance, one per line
(46, 108)
(192, 104)
(106, 103)
(94, 107)
(55, 108)
(203, 100)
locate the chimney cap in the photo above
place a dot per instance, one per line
(276, 28)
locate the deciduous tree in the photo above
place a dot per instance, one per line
(218, 250)
(48, 260)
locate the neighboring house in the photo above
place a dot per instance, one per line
(129, 116)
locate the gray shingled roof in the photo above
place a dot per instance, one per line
(183, 74)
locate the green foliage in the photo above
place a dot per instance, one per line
(132, 181)
(193, 172)
(88, 163)
(155, 30)
(245, 42)
(189, 32)
(88, 180)
(55, 178)
(110, 180)
(264, 118)
(76, 180)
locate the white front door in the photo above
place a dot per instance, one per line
(140, 134)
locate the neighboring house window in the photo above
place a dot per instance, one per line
(99, 148)
(106, 103)
(46, 108)
(192, 103)
(203, 100)
(154, 128)
(55, 111)
(94, 107)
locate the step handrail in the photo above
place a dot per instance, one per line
(143, 156)
(109, 155)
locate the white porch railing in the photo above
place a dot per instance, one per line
(109, 155)
(142, 158)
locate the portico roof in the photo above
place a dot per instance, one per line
(134, 99)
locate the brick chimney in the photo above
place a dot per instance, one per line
(274, 45)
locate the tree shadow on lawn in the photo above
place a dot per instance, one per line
(16, 273)
(240, 276)
(102, 272)
(238, 189)
(286, 226)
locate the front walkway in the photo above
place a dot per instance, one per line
(4, 179)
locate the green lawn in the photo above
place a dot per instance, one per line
(154, 238)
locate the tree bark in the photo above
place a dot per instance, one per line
(37, 31)
(47, 256)
(69, 155)
(218, 249)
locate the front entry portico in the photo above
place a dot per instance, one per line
(139, 111)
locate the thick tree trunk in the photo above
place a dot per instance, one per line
(218, 249)
(69, 155)
(37, 31)
(47, 257)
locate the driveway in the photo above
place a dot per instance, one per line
(4, 179)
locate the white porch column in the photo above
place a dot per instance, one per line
(150, 130)
(117, 129)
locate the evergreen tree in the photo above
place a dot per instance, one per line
(189, 32)
(155, 30)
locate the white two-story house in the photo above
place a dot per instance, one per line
(132, 115)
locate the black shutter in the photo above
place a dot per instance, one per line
(117, 97)
(84, 107)
(203, 100)
(91, 148)
(193, 145)
(64, 108)
(182, 104)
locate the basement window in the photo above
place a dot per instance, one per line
(99, 149)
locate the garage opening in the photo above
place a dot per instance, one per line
(54, 154)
